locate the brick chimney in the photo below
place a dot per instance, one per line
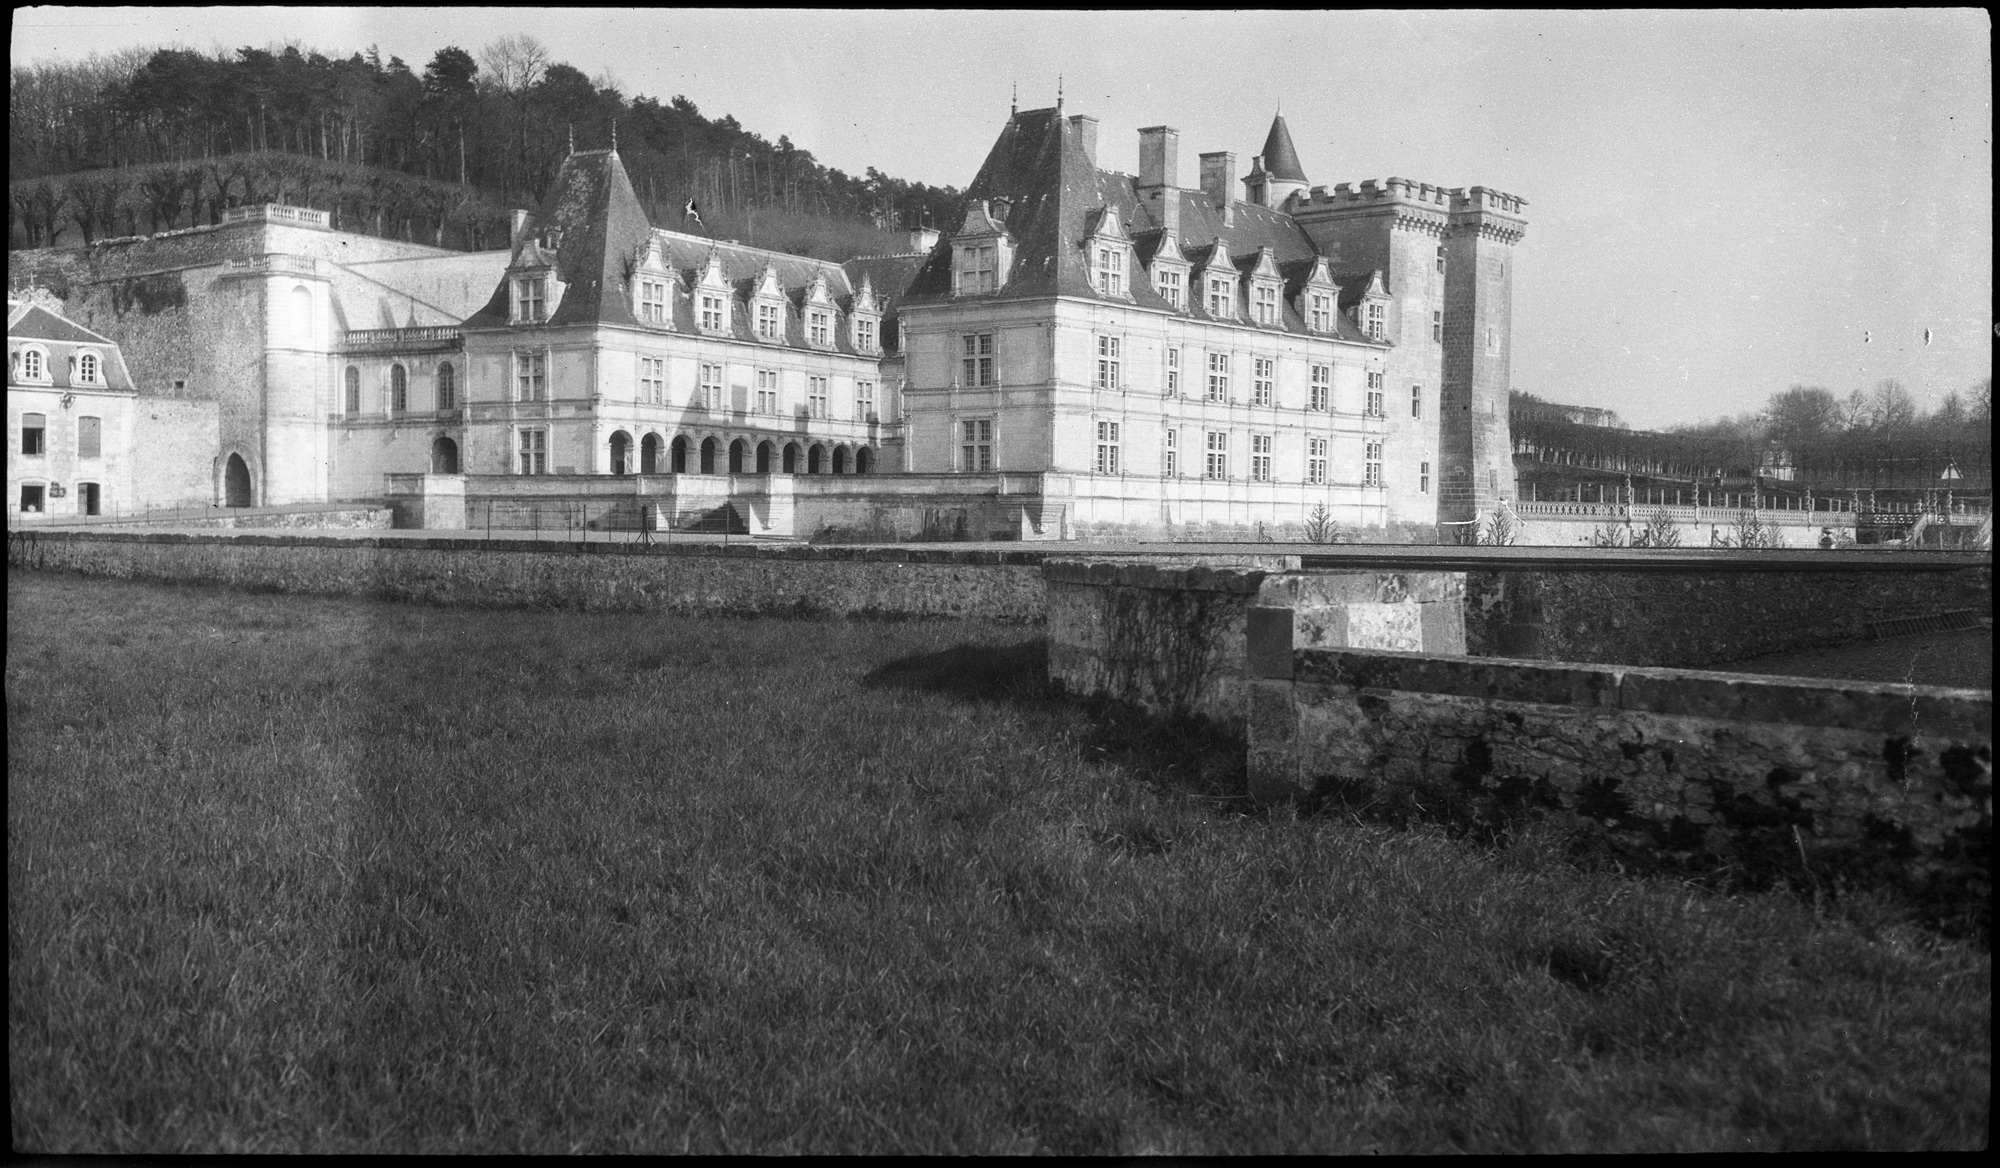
(1159, 157)
(1218, 183)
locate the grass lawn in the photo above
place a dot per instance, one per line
(328, 875)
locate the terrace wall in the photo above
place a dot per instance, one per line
(1776, 777)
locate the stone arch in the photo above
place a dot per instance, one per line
(710, 447)
(764, 453)
(649, 454)
(238, 488)
(739, 453)
(840, 460)
(816, 459)
(621, 452)
(864, 460)
(444, 455)
(790, 460)
(302, 313)
(678, 454)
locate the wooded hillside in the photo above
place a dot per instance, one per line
(148, 141)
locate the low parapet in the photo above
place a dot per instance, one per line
(278, 213)
(1403, 190)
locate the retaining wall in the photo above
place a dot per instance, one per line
(1170, 637)
(1812, 781)
(1704, 614)
(706, 578)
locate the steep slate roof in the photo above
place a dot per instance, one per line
(31, 322)
(1056, 193)
(601, 225)
(1281, 158)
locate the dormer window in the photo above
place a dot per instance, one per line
(89, 369)
(1110, 270)
(34, 364)
(1266, 303)
(770, 322)
(714, 312)
(976, 273)
(864, 334)
(652, 301)
(1376, 327)
(1168, 281)
(1319, 312)
(819, 328)
(711, 293)
(530, 300)
(1221, 297)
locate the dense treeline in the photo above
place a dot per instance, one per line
(1876, 439)
(151, 141)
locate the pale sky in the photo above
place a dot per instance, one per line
(1720, 204)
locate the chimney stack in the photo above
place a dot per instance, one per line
(520, 228)
(1086, 135)
(1218, 183)
(1159, 157)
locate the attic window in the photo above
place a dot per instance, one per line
(34, 364)
(530, 304)
(89, 371)
(769, 323)
(1321, 316)
(1110, 269)
(819, 329)
(1221, 292)
(864, 334)
(1375, 324)
(977, 270)
(1267, 303)
(1169, 283)
(652, 302)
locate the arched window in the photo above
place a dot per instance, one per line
(447, 387)
(89, 370)
(353, 401)
(302, 313)
(34, 364)
(864, 460)
(399, 389)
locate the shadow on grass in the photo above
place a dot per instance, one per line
(1185, 755)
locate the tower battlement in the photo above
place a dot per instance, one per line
(1371, 193)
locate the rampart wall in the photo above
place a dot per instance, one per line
(1821, 784)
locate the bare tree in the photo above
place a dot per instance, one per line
(514, 62)
(1892, 406)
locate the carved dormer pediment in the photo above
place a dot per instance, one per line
(979, 222)
(1265, 266)
(982, 252)
(1104, 223)
(864, 297)
(1169, 250)
(767, 286)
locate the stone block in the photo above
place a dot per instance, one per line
(1268, 638)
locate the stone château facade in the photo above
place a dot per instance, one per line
(1088, 352)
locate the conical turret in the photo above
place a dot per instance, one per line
(1276, 174)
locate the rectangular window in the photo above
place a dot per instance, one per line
(1173, 373)
(1424, 477)
(711, 388)
(652, 302)
(1107, 448)
(864, 335)
(1170, 288)
(1374, 471)
(34, 434)
(770, 322)
(976, 449)
(31, 498)
(979, 359)
(976, 272)
(534, 452)
(1111, 271)
(1107, 364)
(1416, 401)
(816, 396)
(1440, 257)
(767, 391)
(1375, 325)
(1261, 391)
(820, 328)
(399, 389)
(1437, 326)
(1169, 467)
(447, 386)
(1218, 377)
(653, 380)
(89, 437)
(1218, 454)
(1219, 296)
(1267, 304)
(1374, 406)
(712, 316)
(1260, 457)
(531, 376)
(1322, 313)
(1316, 460)
(1322, 387)
(528, 300)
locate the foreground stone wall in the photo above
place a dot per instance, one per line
(1171, 637)
(1815, 782)
(706, 578)
(1708, 616)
